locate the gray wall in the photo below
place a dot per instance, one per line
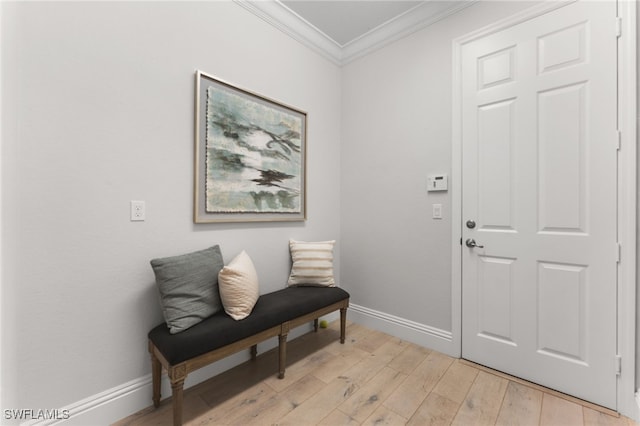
(396, 130)
(98, 110)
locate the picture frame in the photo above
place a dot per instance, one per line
(250, 156)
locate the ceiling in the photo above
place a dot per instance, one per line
(344, 30)
(345, 21)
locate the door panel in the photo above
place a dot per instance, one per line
(495, 160)
(495, 279)
(562, 152)
(561, 311)
(562, 48)
(539, 179)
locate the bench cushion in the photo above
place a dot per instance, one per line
(220, 330)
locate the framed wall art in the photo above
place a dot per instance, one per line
(250, 156)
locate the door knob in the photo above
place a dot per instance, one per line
(472, 243)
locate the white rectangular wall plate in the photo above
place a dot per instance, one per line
(437, 211)
(437, 183)
(138, 211)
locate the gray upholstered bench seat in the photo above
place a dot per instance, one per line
(219, 335)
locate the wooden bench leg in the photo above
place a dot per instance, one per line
(254, 352)
(315, 325)
(282, 362)
(343, 324)
(176, 396)
(156, 371)
(177, 375)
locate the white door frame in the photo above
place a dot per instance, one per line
(627, 190)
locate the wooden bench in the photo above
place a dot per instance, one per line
(220, 336)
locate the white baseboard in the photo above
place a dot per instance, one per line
(121, 401)
(420, 334)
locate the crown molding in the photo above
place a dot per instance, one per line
(415, 19)
(292, 24)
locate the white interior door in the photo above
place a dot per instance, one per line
(539, 148)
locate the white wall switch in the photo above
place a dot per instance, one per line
(437, 183)
(138, 211)
(437, 211)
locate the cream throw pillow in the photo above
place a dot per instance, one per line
(238, 284)
(312, 263)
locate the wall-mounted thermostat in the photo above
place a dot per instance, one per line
(437, 183)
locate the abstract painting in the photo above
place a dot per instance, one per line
(250, 156)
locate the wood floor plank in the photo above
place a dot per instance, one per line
(409, 358)
(407, 397)
(193, 408)
(596, 418)
(298, 370)
(436, 410)
(337, 348)
(338, 364)
(456, 382)
(384, 416)
(521, 406)
(354, 332)
(237, 379)
(364, 370)
(338, 418)
(319, 406)
(236, 405)
(279, 404)
(483, 401)
(309, 343)
(370, 341)
(370, 396)
(559, 411)
(194, 412)
(391, 348)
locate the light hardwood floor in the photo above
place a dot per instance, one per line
(373, 379)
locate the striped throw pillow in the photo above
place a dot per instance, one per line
(312, 263)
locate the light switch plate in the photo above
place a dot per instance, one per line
(437, 211)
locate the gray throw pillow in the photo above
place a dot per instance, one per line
(188, 286)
